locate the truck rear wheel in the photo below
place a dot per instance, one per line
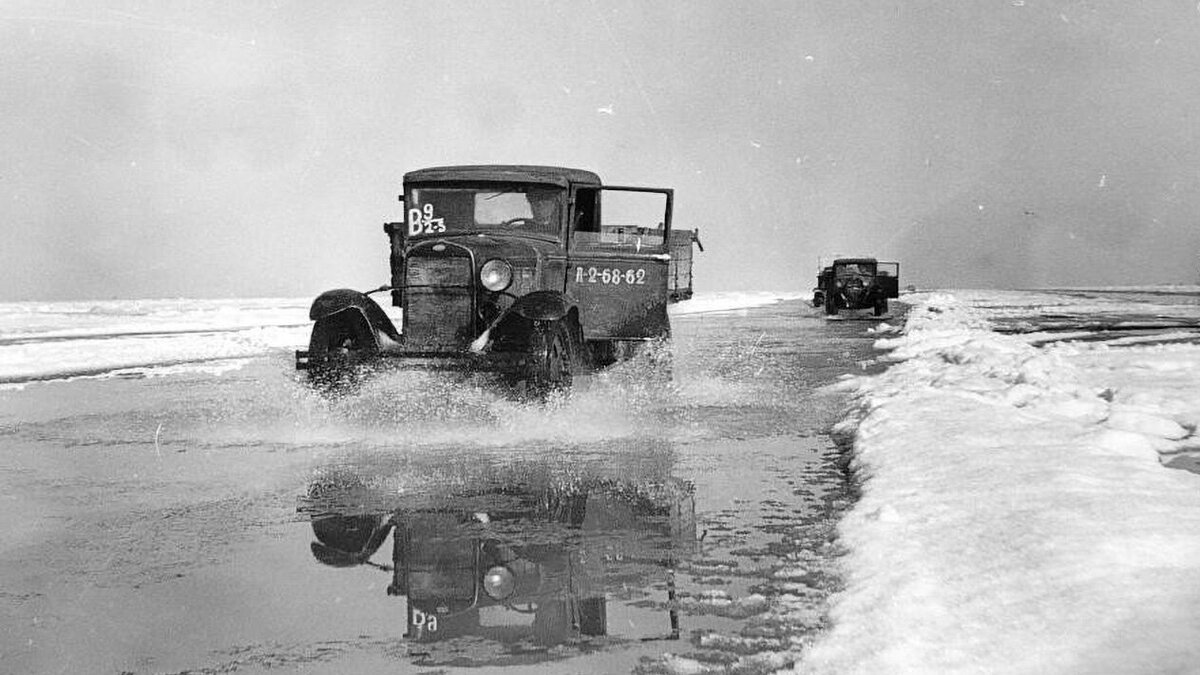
(601, 353)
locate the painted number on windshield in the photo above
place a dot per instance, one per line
(613, 276)
(421, 221)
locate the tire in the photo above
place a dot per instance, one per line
(346, 541)
(593, 616)
(338, 345)
(602, 353)
(831, 304)
(554, 350)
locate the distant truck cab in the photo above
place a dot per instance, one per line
(856, 284)
(533, 272)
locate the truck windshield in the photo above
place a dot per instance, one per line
(434, 211)
(855, 269)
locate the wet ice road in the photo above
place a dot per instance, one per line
(239, 523)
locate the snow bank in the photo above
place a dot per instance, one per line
(1015, 516)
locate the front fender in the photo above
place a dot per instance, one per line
(341, 299)
(535, 306)
(542, 306)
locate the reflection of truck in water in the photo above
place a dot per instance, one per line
(523, 568)
(856, 284)
(536, 273)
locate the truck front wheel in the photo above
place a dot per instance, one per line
(831, 303)
(340, 342)
(554, 351)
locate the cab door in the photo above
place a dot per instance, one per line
(887, 275)
(617, 261)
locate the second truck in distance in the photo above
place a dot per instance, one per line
(857, 284)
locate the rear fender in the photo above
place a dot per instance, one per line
(341, 299)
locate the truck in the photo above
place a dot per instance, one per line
(536, 273)
(524, 564)
(857, 284)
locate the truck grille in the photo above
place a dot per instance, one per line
(439, 271)
(438, 314)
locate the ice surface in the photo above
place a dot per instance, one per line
(718, 302)
(49, 340)
(63, 339)
(1015, 516)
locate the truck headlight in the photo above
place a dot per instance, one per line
(495, 275)
(499, 583)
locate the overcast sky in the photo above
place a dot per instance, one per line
(236, 148)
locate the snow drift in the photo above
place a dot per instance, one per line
(1015, 514)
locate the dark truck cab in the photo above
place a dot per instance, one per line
(542, 571)
(856, 284)
(534, 272)
(522, 572)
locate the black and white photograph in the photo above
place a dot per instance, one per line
(705, 337)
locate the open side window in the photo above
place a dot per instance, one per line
(622, 219)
